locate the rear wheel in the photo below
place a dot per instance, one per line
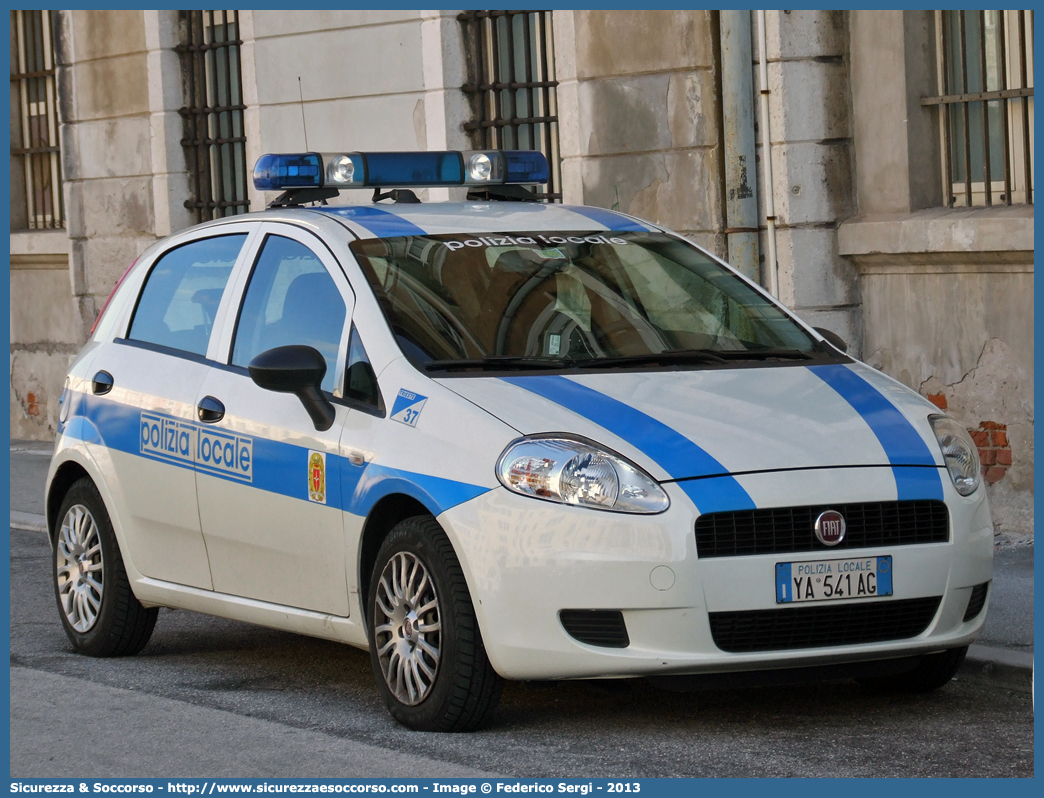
(101, 616)
(933, 671)
(425, 647)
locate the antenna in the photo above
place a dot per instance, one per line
(300, 93)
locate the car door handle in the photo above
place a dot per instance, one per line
(102, 383)
(210, 410)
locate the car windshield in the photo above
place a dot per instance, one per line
(532, 300)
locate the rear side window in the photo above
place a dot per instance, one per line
(182, 293)
(291, 299)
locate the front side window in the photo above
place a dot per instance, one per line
(291, 299)
(573, 300)
(182, 294)
(360, 381)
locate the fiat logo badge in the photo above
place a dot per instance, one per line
(830, 527)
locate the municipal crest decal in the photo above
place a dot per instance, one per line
(317, 477)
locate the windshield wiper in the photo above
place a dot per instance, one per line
(765, 354)
(695, 356)
(680, 356)
(714, 356)
(495, 363)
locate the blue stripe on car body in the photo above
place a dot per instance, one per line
(915, 470)
(378, 221)
(609, 219)
(676, 454)
(275, 467)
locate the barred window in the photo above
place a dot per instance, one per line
(215, 141)
(511, 82)
(986, 71)
(36, 163)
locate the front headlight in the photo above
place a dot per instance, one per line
(572, 471)
(959, 453)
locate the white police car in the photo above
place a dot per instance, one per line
(501, 439)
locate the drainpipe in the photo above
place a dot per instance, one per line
(737, 93)
(771, 279)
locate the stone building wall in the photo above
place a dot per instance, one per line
(639, 116)
(812, 165)
(60, 278)
(370, 80)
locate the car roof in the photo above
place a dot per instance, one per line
(403, 219)
(385, 221)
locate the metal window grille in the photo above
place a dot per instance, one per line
(215, 141)
(986, 109)
(35, 154)
(513, 86)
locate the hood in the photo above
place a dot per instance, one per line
(684, 424)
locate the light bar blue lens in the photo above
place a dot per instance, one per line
(525, 166)
(413, 169)
(395, 169)
(277, 172)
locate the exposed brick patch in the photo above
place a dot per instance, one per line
(991, 438)
(938, 399)
(994, 474)
(32, 408)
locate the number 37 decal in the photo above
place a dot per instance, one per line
(407, 407)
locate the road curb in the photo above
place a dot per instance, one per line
(999, 667)
(30, 522)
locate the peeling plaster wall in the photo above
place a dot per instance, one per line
(961, 334)
(44, 332)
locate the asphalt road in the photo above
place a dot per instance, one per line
(210, 697)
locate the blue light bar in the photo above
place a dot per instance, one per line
(399, 169)
(276, 172)
(525, 166)
(408, 169)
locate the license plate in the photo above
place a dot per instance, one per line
(833, 580)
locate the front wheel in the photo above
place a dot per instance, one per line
(425, 647)
(101, 616)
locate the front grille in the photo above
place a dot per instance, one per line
(604, 628)
(977, 601)
(779, 530)
(815, 627)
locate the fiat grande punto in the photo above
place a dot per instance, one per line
(501, 439)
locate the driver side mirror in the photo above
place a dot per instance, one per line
(298, 370)
(832, 338)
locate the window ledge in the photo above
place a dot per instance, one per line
(998, 235)
(40, 249)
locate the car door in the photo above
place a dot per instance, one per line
(268, 483)
(143, 401)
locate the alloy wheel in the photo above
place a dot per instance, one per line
(80, 572)
(407, 628)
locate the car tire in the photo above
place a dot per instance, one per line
(931, 673)
(425, 646)
(100, 613)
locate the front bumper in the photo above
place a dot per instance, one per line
(526, 560)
